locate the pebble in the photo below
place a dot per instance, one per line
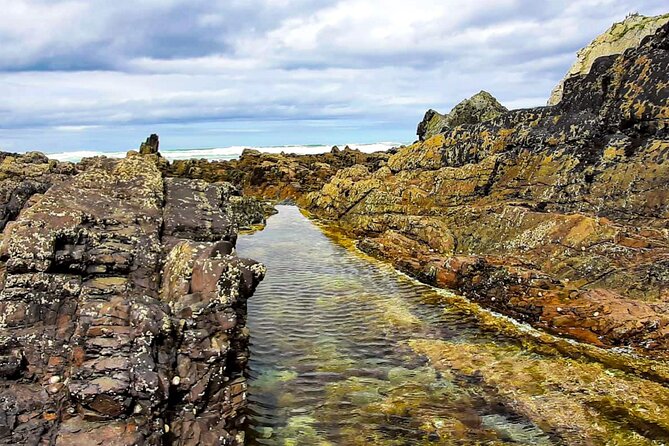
(54, 388)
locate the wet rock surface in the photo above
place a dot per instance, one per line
(556, 216)
(123, 309)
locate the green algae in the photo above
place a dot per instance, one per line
(581, 401)
(271, 379)
(368, 362)
(331, 359)
(300, 431)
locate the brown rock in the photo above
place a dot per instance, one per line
(82, 313)
(538, 209)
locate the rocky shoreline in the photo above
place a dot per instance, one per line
(555, 216)
(122, 304)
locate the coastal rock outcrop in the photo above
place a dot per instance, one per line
(479, 108)
(618, 38)
(150, 146)
(557, 216)
(277, 176)
(122, 311)
(25, 175)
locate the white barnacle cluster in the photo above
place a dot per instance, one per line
(259, 270)
(227, 287)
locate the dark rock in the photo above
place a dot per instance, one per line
(116, 286)
(22, 176)
(479, 108)
(150, 146)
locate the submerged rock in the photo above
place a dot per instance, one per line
(479, 108)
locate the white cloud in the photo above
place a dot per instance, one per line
(84, 66)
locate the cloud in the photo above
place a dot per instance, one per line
(94, 67)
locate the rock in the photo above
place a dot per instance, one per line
(116, 281)
(150, 146)
(620, 37)
(479, 108)
(25, 175)
(277, 177)
(538, 209)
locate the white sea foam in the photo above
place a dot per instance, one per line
(226, 153)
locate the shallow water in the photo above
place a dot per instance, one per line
(345, 351)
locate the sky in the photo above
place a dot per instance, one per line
(102, 75)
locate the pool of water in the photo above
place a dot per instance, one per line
(346, 351)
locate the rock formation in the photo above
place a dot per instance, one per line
(615, 40)
(277, 176)
(122, 308)
(557, 216)
(22, 176)
(150, 146)
(479, 108)
(123, 304)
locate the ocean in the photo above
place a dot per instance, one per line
(227, 153)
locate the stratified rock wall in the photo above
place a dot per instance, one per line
(558, 216)
(122, 312)
(620, 37)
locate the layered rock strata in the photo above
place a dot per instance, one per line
(22, 176)
(279, 177)
(615, 40)
(557, 216)
(122, 312)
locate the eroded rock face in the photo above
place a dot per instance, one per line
(25, 175)
(282, 177)
(620, 37)
(479, 108)
(150, 146)
(122, 312)
(557, 216)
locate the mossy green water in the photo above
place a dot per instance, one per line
(347, 352)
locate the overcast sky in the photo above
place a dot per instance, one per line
(101, 74)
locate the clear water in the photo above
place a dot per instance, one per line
(345, 351)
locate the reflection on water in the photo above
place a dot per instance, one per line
(345, 351)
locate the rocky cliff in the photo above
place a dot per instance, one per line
(479, 108)
(122, 305)
(557, 216)
(618, 38)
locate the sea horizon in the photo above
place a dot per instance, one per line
(227, 152)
